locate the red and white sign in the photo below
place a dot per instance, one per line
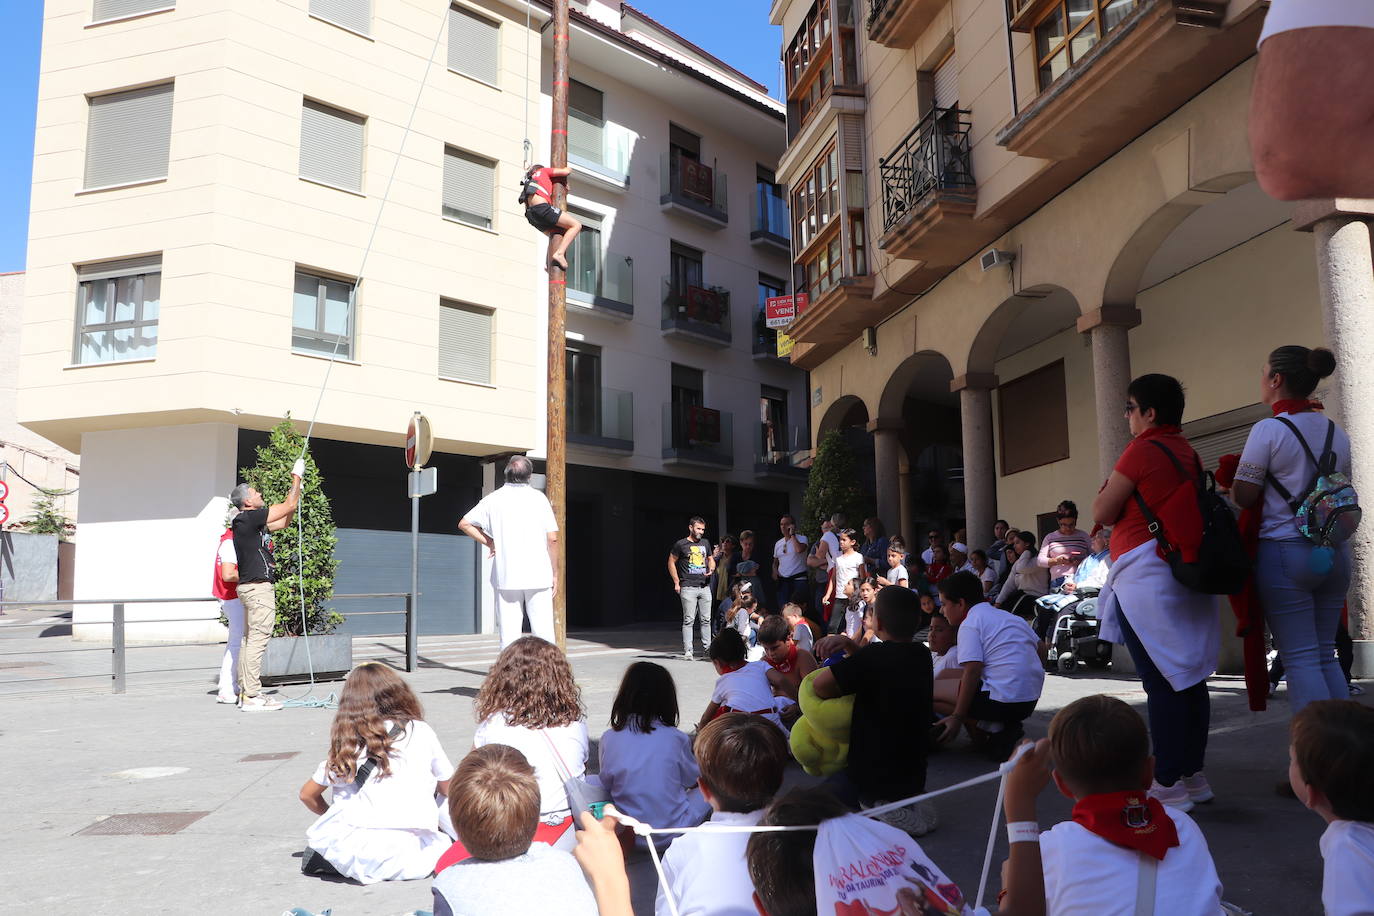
(419, 441)
(4, 509)
(780, 311)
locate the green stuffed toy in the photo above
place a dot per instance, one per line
(820, 738)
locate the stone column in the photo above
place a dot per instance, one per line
(1345, 280)
(887, 450)
(980, 464)
(1107, 327)
(907, 531)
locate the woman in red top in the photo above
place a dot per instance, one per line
(1170, 631)
(561, 227)
(939, 569)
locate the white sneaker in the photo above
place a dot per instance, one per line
(916, 820)
(1199, 792)
(1175, 796)
(688, 656)
(259, 704)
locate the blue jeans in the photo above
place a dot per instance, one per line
(1303, 611)
(1178, 718)
(696, 606)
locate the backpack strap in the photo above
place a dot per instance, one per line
(1319, 465)
(370, 764)
(1153, 524)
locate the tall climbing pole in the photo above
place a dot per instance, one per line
(556, 460)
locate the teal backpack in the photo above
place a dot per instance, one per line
(1330, 511)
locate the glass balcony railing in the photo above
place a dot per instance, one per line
(771, 222)
(602, 281)
(696, 311)
(600, 147)
(788, 455)
(694, 188)
(604, 418)
(693, 434)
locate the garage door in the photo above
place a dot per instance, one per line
(379, 561)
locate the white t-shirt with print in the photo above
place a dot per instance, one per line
(1007, 647)
(552, 764)
(519, 519)
(1348, 874)
(1086, 875)
(1272, 447)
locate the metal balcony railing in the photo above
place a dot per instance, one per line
(875, 9)
(696, 309)
(933, 157)
(606, 280)
(693, 186)
(693, 434)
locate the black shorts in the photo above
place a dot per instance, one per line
(985, 708)
(543, 217)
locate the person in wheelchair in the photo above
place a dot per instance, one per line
(1084, 581)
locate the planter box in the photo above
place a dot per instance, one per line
(286, 660)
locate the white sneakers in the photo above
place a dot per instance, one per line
(1184, 794)
(259, 704)
(227, 698)
(1199, 792)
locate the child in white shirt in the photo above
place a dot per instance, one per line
(1332, 757)
(1002, 669)
(1093, 863)
(896, 570)
(802, 633)
(742, 760)
(859, 604)
(742, 686)
(944, 653)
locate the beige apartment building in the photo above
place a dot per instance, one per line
(205, 237)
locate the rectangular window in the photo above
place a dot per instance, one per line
(1068, 29)
(128, 136)
(584, 389)
(465, 342)
(123, 9)
(1033, 419)
(474, 45)
(684, 268)
(773, 432)
(354, 15)
(116, 310)
(586, 123)
(469, 188)
(331, 147)
(322, 311)
(585, 256)
(766, 338)
(816, 200)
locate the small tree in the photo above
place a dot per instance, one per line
(312, 527)
(833, 486)
(45, 518)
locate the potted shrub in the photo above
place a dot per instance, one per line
(305, 564)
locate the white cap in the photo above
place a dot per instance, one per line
(962, 548)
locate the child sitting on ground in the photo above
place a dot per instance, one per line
(494, 803)
(1002, 672)
(1332, 757)
(865, 590)
(742, 686)
(803, 629)
(891, 681)
(384, 768)
(646, 761)
(788, 663)
(742, 760)
(929, 608)
(944, 653)
(1119, 836)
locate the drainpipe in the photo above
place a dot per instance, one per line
(1011, 62)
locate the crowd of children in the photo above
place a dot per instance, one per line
(497, 830)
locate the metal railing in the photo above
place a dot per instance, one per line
(933, 157)
(704, 310)
(875, 9)
(119, 623)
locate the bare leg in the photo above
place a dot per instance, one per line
(559, 243)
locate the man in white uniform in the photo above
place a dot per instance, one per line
(516, 525)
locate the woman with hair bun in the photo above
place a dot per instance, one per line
(1301, 586)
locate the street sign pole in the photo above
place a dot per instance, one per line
(421, 481)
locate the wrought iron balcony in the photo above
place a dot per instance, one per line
(900, 23)
(931, 160)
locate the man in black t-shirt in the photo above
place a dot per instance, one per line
(888, 738)
(690, 564)
(254, 548)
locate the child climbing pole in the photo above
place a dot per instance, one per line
(560, 227)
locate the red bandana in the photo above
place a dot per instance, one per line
(1296, 405)
(735, 667)
(1153, 431)
(1129, 819)
(787, 666)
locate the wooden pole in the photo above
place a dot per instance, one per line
(556, 460)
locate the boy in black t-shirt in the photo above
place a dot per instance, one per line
(891, 681)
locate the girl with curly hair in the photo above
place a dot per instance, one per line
(530, 702)
(384, 769)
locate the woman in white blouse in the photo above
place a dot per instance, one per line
(1027, 580)
(1302, 601)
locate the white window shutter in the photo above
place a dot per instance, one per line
(129, 136)
(473, 43)
(465, 342)
(946, 84)
(331, 146)
(469, 183)
(586, 125)
(351, 14)
(118, 9)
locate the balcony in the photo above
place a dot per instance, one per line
(770, 226)
(1146, 64)
(696, 313)
(603, 420)
(692, 189)
(600, 152)
(789, 460)
(765, 340)
(601, 285)
(899, 23)
(929, 195)
(698, 436)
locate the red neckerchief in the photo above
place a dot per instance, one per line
(1296, 405)
(731, 668)
(1155, 431)
(787, 666)
(1132, 820)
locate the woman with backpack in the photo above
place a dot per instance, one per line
(1296, 469)
(1170, 630)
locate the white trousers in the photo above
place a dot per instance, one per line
(232, 609)
(513, 604)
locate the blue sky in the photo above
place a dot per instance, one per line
(736, 31)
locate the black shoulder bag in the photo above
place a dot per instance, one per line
(312, 861)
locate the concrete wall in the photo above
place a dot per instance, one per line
(28, 566)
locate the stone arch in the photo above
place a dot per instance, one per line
(925, 371)
(1039, 311)
(845, 411)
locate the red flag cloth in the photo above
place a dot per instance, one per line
(1132, 820)
(786, 666)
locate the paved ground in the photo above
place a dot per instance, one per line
(75, 755)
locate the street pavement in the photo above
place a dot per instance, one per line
(77, 756)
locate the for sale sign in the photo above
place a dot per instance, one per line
(779, 311)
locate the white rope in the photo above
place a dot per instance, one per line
(529, 147)
(992, 838)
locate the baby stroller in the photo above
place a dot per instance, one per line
(1074, 636)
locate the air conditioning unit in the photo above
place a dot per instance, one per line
(992, 257)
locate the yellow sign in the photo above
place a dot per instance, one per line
(784, 345)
